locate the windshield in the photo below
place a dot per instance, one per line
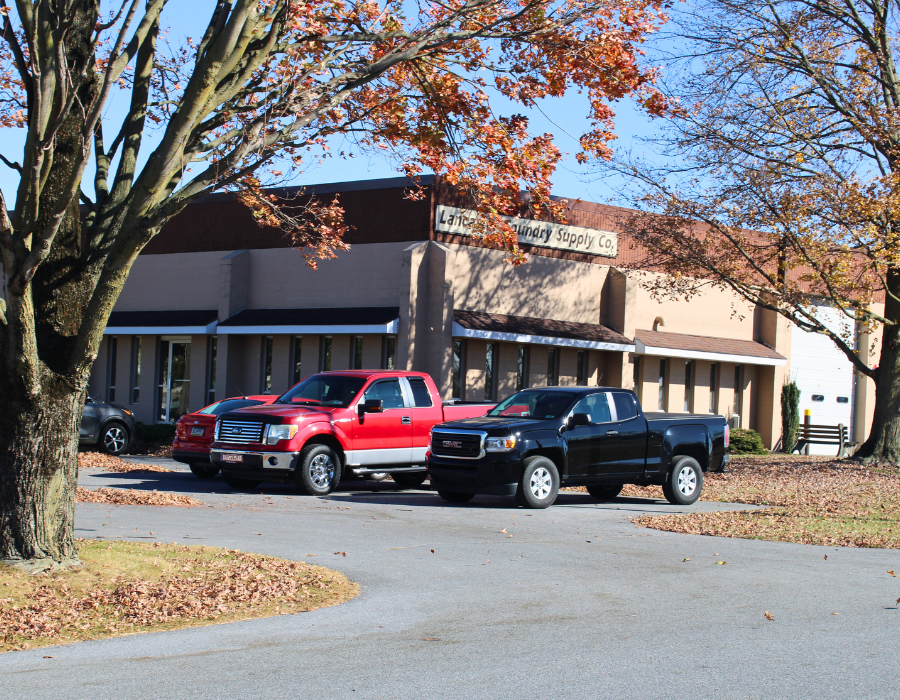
(227, 405)
(324, 390)
(539, 404)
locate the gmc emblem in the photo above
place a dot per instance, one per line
(453, 444)
(237, 431)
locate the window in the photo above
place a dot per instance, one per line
(388, 390)
(637, 375)
(713, 387)
(325, 354)
(267, 343)
(458, 371)
(625, 408)
(597, 406)
(389, 352)
(135, 369)
(421, 395)
(111, 353)
(552, 366)
(296, 359)
(521, 368)
(738, 392)
(688, 387)
(221, 407)
(356, 352)
(661, 400)
(581, 368)
(490, 370)
(211, 356)
(331, 390)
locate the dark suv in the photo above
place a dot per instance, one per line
(106, 425)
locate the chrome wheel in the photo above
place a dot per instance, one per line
(687, 481)
(114, 439)
(321, 471)
(541, 483)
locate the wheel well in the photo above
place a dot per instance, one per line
(698, 454)
(115, 421)
(554, 455)
(332, 442)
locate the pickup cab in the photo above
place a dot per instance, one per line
(335, 424)
(538, 440)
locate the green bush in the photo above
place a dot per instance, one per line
(157, 432)
(790, 415)
(746, 442)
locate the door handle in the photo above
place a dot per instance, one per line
(612, 432)
(406, 420)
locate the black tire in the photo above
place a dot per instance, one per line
(239, 484)
(604, 492)
(318, 471)
(539, 484)
(410, 481)
(456, 496)
(684, 483)
(204, 471)
(114, 438)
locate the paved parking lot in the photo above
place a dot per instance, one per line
(571, 602)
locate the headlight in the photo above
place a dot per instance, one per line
(280, 432)
(502, 444)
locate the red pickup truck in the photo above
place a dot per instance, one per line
(334, 424)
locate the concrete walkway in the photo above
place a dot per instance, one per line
(571, 602)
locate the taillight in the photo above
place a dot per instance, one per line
(727, 435)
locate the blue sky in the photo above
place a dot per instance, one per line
(565, 118)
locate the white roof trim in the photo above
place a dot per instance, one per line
(390, 328)
(461, 332)
(208, 329)
(642, 349)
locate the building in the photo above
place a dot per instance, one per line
(216, 306)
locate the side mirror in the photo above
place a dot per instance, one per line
(578, 419)
(370, 406)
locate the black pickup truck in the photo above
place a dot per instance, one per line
(540, 439)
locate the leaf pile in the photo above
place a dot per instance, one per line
(814, 500)
(109, 463)
(197, 585)
(135, 497)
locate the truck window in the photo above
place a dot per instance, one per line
(328, 390)
(421, 395)
(597, 405)
(625, 407)
(388, 390)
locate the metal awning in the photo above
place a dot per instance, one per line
(358, 321)
(709, 348)
(538, 331)
(194, 322)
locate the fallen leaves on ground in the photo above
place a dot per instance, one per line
(813, 500)
(128, 587)
(135, 497)
(109, 463)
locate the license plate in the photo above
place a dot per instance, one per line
(232, 458)
(197, 431)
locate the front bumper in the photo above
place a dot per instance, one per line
(269, 463)
(496, 474)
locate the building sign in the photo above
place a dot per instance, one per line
(538, 233)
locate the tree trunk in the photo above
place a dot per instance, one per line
(884, 439)
(38, 472)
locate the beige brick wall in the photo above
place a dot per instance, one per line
(180, 281)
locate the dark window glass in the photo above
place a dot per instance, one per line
(552, 367)
(297, 364)
(334, 390)
(211, 353)
(625, 407)
(661, 400)
(738, 392)
(357, 351)
(534, 403)
(268, 343)
(521, 368)
(458, 369)
(136, 369)
(325, 354)
(713, 387)
(638, 379)
(581, 368)
(163, 383)
(490, 371)
(228, 405)
(421, 395)
(597, 406)
(111, 357)
(688, 387)
(389, 359)
(388, 390)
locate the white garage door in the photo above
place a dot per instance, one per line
(824, 375)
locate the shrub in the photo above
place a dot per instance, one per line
(790, 415)
(746, 442)
(157, 432)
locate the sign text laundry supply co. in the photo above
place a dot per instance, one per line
(538, 233)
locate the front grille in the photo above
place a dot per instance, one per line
(240, 432)
(461, 445)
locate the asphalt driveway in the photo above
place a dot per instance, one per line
(486, 600)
